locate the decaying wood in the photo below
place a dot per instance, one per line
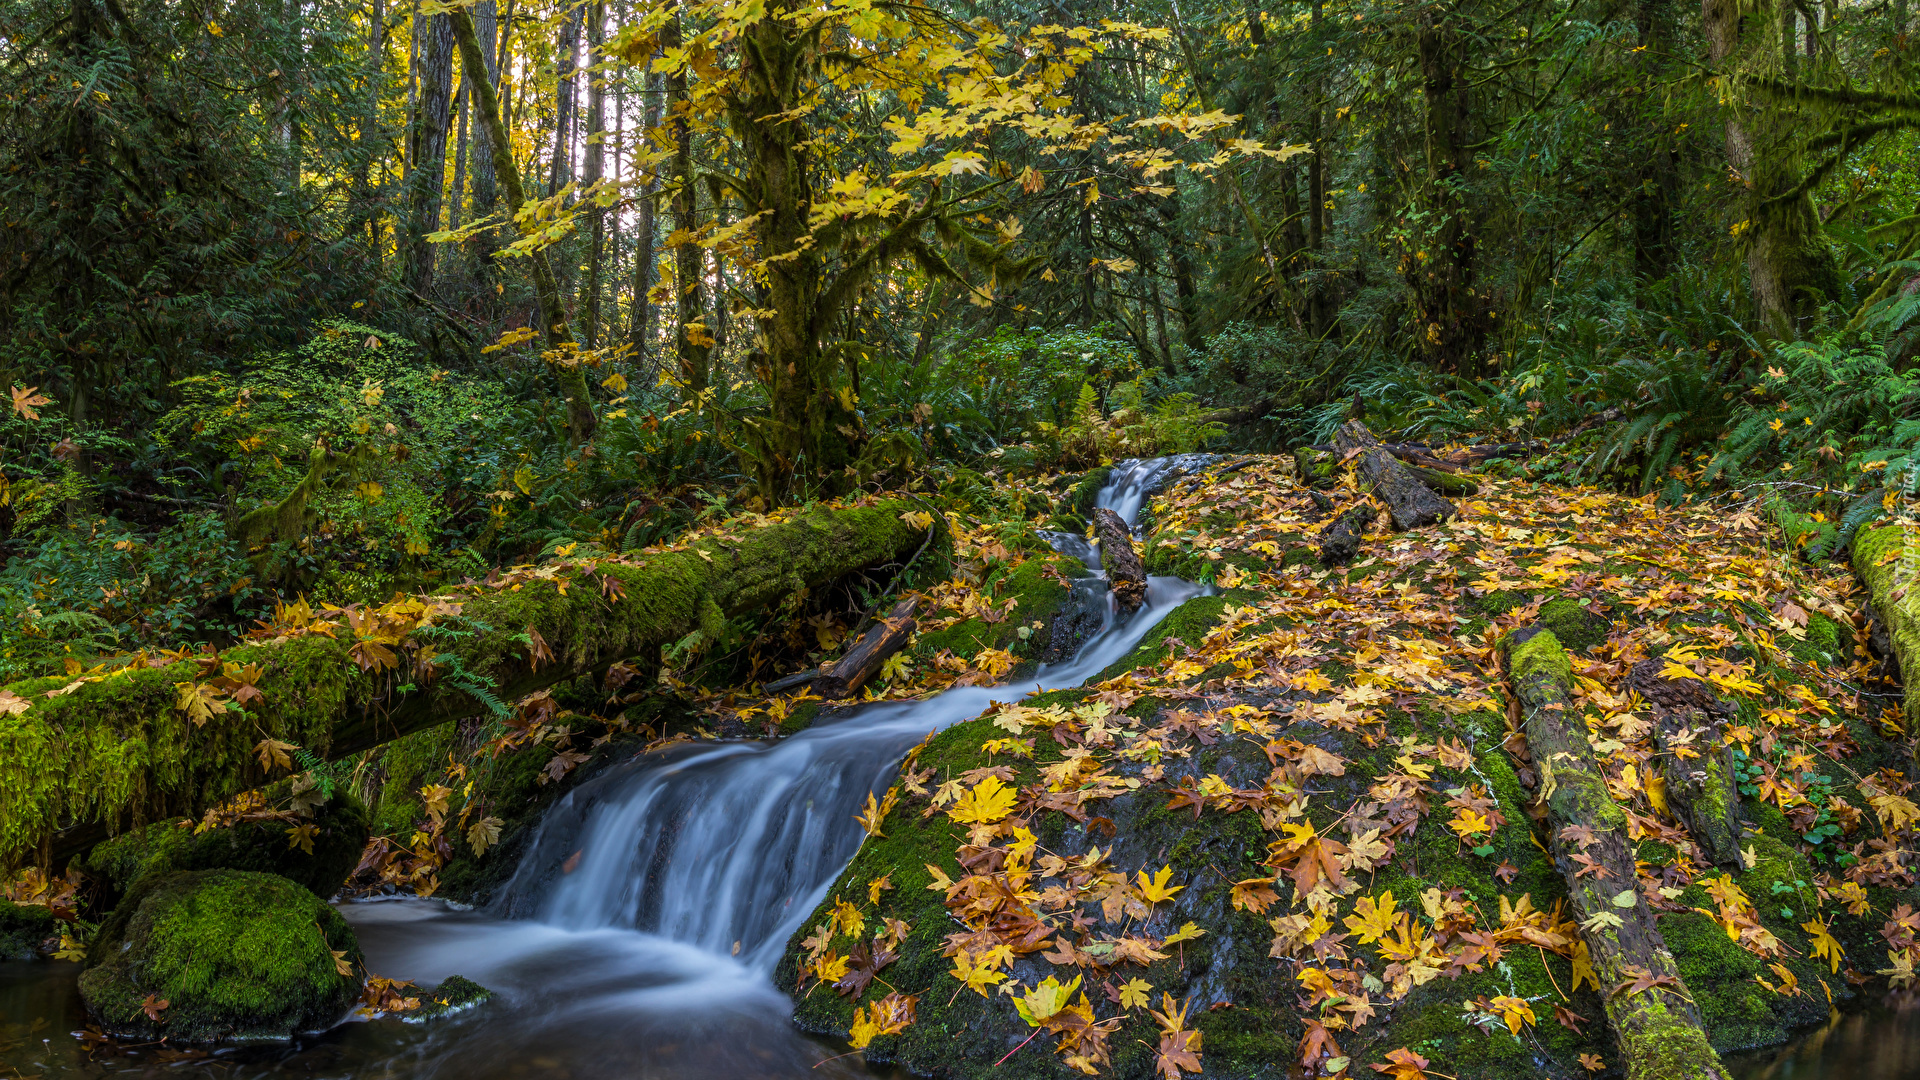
(1444, 483)
(1118, 558)
(1894, 613)
(1410, 503)
(1694, 759)
(1340, 540)
(1647, 1004)
(845, 676)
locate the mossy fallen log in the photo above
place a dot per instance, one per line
(1649, 1008)
(87, 756)
(1120, 560)
(1877, 555)
(1410, 502)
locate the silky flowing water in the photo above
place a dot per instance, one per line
(638, 935)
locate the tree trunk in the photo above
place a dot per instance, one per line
(119, 751)
(1440, 258)
(1696, 762)
(456, 195)
(567, 371)
(1119, 560)
(691, 343)
(486, 192)
(564, 104)
(1791, 269)
(429, 154)
(1881, 559)
(595, 169)
(644, 229)
(1186, 295)
(1411, 503)
(1340, 541)
(1658, 1028)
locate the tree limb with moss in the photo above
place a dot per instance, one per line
(85, 756)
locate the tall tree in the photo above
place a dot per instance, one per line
(562, 358)
(429, 152)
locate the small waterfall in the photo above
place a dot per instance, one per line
(729, 847)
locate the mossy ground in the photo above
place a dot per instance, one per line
(339, 835)
(25, 930)
(1576, 563)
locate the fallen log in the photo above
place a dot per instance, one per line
(1410, 503)
(1877, 554)
(1443, 483)
(1120, 561)
(1695, 760)
(844, 676)
(1340, 541)
(83, 757)
(1652, 1014)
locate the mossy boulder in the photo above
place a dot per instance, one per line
(235, 955)
(24, 930)
(454, 994)
(340, 830)
(1578, 625)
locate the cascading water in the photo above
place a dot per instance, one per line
(727, 848)
(638, 934)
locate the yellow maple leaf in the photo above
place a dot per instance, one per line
(1470, 823)
(1154, 890)
(1186, 933)
(1373, 919)
(1133, 993)
(877, 886)
(1515, 1011)
(273, 754)
(977, 976)
(988, 802)
(1824, 944)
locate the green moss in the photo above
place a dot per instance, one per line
(409, 762)
(1084, 493)
(235, 955)
(1577, 626)
(24, 929)
(454, 994)
(1823, 643)
(339, 837)
(1540, 654)
(1038, 597)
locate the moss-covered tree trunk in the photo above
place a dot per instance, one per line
(1652, 1014)
(1791, 268)
(567, 372)
(80, 758)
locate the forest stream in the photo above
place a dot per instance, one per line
(639, 934)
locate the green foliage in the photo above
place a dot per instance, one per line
(1132, 427)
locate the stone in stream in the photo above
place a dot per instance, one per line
(232, 955)
(25, 930)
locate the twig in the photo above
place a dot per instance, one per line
(1016, 1049)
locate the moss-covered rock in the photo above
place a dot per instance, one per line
(25, 930)
(269, 846)
(234, 955)
(454, 994)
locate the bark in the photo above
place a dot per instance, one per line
(1411, 503)
(486, 190)
(1791, 269)
(1442, 265)
(1340, 541)
(1658, 1027)
(456, 195)
(1695, 760)
(429, 154)
(1120, 560)
(643, 253)
(565, 107)
(1659, 170)
(571, 378)
(118, 752)
(595, 169)
(692, 345)
(845, 676)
